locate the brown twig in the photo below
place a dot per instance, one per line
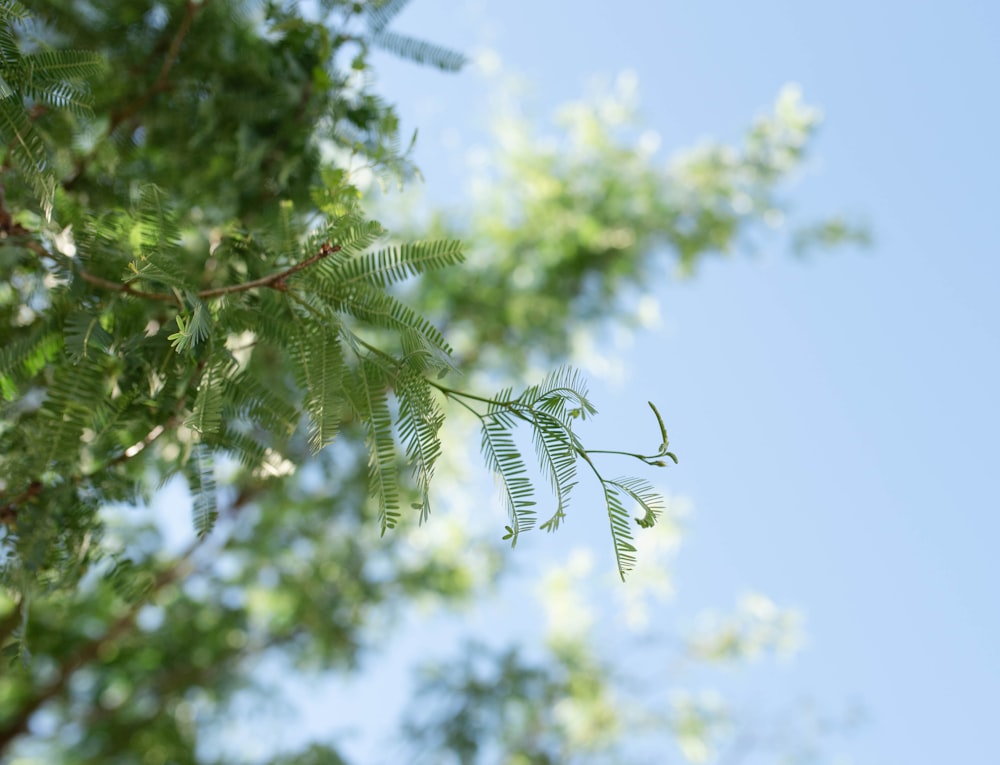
(276, 281)
(126, 288)
(190, 9)
(130, 110)
(8, 512)
(97, 281)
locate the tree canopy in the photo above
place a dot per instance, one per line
(195, 289)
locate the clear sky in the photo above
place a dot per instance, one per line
(837, 418)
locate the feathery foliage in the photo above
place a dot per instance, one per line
(195, 297)
(201, 479)
(30, 83)
(381, 12)
(420, 419)
(420, 51)
(138, 309)
(550, 409)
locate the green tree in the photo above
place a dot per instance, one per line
(193, 292)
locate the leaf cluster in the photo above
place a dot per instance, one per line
(30, 84)
(573, 222)
(205, 301)
(551, 409)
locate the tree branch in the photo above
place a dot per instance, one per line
(9, 512)
(190, 9)
(87, 653)
(129, 111)
(277, 281)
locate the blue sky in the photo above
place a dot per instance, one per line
(836, 417)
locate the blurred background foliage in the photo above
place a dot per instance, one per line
(570, 224)
(232, 107)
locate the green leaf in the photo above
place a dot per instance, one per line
(319, 369)
(12, 10)
(156, 241)
(192, 328)
(381, 12)
(420, 418)
(83, 334)
(250, 452)
(29, 353)
(420, 51)
(200, 471)
(621, 532)
(399, 262)
(646, 496)
(368, 396)
(354, 239)
(248, 399)
(206, 414)
(504, 458)
(25, 148)
(378, 308)
(562, 394)
(74, 399)
(180, 339)
(556, 452)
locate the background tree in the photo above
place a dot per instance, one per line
(190, 275)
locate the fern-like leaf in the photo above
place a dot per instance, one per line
(381, 12)
(369, 398)
(420, 419)
(356, 238)
(380, 309)
(27, 355)
(555, 449)
(157, 237)
(25, 147)
(562, 394)
(319, 369)
(201, 480)
(420, 354)
(394, 264)
(250, 452)
(74, 398)
(193, 329)
(84, 333)
(420, 51)
(248, 399)
(621, 532)
(11, 11)
(51, 67)
(66, 96)
(101, 236)
(206, 414)
(504, 458)
(284, 236)
(646, 497)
